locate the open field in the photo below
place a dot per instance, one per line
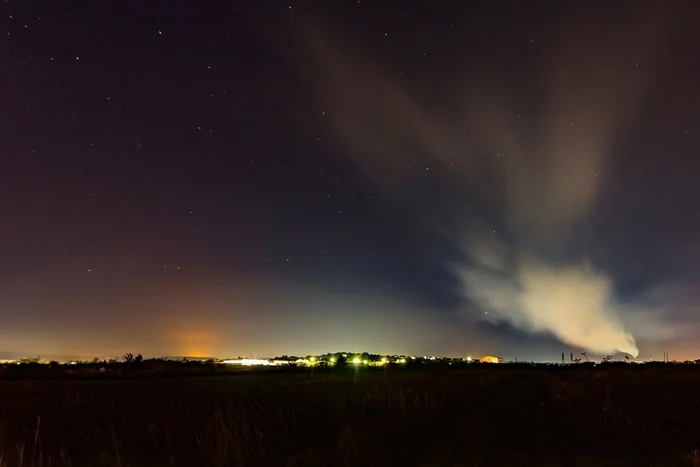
(492, 415)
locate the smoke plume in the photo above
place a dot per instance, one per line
(538, 162)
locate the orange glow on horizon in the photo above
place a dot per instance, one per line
(193, 343)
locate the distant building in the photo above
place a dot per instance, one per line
(491, 359)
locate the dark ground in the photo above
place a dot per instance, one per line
(495, 416)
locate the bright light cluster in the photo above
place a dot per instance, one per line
(255, 362)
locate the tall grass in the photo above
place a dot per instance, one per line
(486, 417)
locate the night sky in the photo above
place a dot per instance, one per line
(259, 178)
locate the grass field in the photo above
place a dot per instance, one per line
(500, 415)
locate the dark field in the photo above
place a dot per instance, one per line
(488, 416)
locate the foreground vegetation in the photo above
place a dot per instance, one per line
(479, 415)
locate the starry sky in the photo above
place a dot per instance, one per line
(257, 178)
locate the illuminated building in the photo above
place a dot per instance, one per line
(491, 359)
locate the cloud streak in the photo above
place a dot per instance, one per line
(537, 162)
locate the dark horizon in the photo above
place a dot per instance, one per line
(504, 178)
(570, 356)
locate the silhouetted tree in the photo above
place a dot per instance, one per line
(128, 357)
(138, 358)
(341, 362)
(584, 355)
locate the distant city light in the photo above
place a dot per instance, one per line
(255, 362)
(491, 359)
